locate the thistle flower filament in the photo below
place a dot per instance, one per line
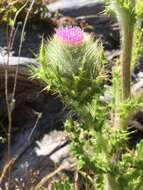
(71, 36)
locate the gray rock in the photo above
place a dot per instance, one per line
(77, 8)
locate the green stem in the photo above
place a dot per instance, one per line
(127, 42)
(127, 22)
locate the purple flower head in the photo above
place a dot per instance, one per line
(71, 36)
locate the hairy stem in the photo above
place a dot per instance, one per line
(127, 42)
(127, 22)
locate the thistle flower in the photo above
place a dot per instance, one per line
(71, 36)
(72, 60)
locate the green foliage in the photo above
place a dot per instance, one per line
(131, 171)
(8, 10)
(128, 107)
(63, 184)
(139, 9)
(137, 45)
(116, 87)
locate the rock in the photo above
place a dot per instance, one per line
(140, 75)
(54, 145)
(11, 63)
(77, 8)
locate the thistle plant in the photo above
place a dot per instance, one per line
(72, 65)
